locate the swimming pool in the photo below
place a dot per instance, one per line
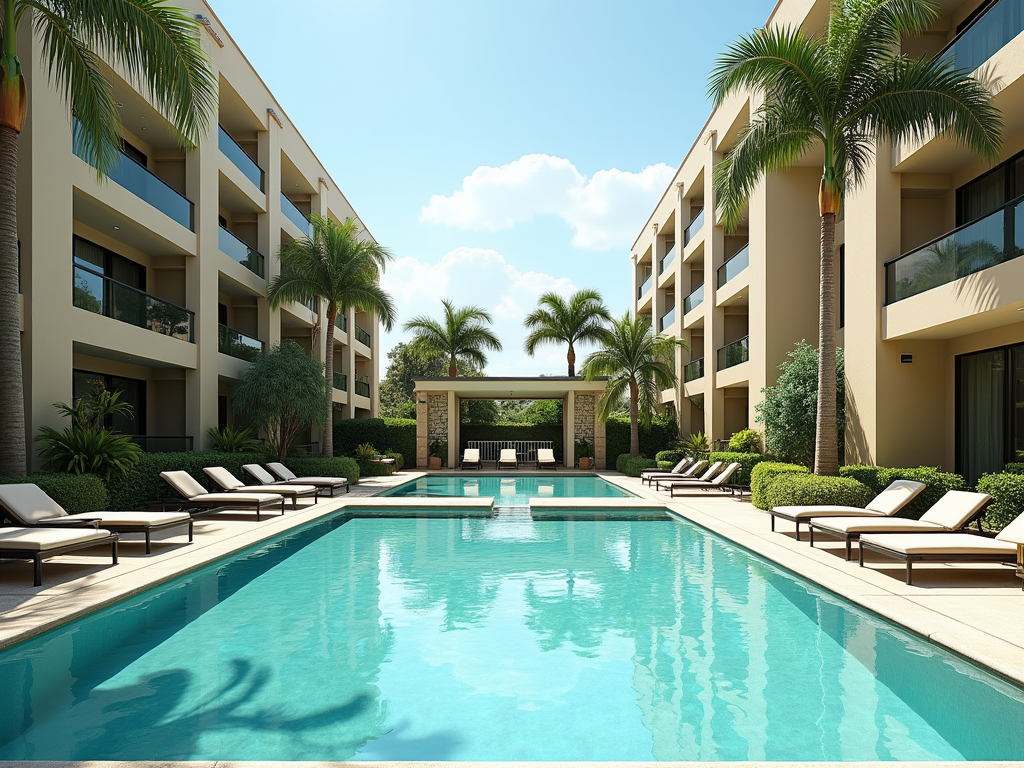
(503, 639)
(512, 491)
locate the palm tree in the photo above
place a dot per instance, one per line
(581, 319)
(639, 364)
(335, 266)
(841, 93)
(463, 336)
(160, 46)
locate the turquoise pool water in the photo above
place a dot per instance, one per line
(503, 639)
(512, 491)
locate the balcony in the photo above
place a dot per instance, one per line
(991, 240)
(342, 322)
(363, 336)
(240, 158)
(98, 293)
(237, 344)
(163, 443)
(989, 32)
(736, 264)
(297, 217)
(645, 286)
(666, 260)
(363, 385)
(734, 354)
(667, 319)
(241, 252)
(693, 370)
(341, 381)
(694, 300)
(695, 226)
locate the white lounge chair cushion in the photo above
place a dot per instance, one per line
(805, 512)
(283, 489)
(183, 483)
(260, 474)
(546, 455)
(941, 544)
(1014, 532)
(872, 524)
(955, 509)
(320, 480)
(236, 498)
(224, 479)
(136, 518)
(471, 455)
(895, 496)
(508, 456)
(42, 539)
(28, 503)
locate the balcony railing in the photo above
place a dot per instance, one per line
(363, 336)
(313, 305)
(237, 344)
(363, 385)
(144, 184)
(693, 370)
(666, 260)
(98, 293)
(981, 244)
(667, 319)
(988, 33)
(342, 322)
(297, 217)
(240, 158)
(734, 354)
(694, 228)
(645, 286)
(163, 443)
(341, 381)
(694, 299)
(240, 251)
(736, 264)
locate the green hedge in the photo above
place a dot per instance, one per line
(747, 462)
(1007, 488)
(662, 435)
(633, 465)
(397, 435)
(937, 482)
(76, 493)
(762, 475)
(666, 464)
(1014, 468)
(673, 457)
(791, 488)
(511, 431)
(318, 466)
(374, 469)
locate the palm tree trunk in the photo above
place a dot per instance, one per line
(826, 446)
(328, 448)
(12, 414)
(452, 370)
(634, 418)
(571, 357)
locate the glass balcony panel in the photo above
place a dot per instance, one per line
(237, 344)
(694, 299)
(693, 370)
(363, 385)
(297, 217)
(341, 381)
(342, 322)
(736, 264)
(986, 36)
(240, 251)
(363, 336)
(645, 286)
(240, 158)
(666, 260)
(694, 228)
(97, 293)
(667, 319)
(734, 354)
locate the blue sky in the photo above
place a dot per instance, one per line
(500, 148)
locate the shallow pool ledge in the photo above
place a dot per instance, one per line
(469, 764)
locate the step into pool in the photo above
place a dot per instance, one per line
(512, 490)
(500, 639)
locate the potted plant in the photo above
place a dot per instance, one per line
(584, 454)
(438, 454)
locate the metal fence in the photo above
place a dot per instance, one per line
(526, 450)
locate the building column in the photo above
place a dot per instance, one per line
(714, 247)
(569, 430)
(453, 431)
(422, 441)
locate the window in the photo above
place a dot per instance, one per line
(990, 410)
(109, 264)
(134, 153)
(988, 192)
(133, 392)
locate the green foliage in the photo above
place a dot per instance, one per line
(92, 410)
(582, 318)
(231, 440)
(696, 445)
(666, 464)
(76, 493)
(365, 451)
(102, 452)
(463, 336)
(321, 466)
(1007, 490)
(937, 482)
(673, 456)
(660, 435)
(747, 462)
(584, 450)
(762, 476)
(406, 363)
(804, 488)
(1014, 468)
(516, 432)
(389, 434)
(745, 441)
(633, 465)
(282, 393)
(368, 468)
(789, 408)
(399, 459)
(439, 450)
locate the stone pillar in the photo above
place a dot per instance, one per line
(437, 418)
(453, 431)
(422, 443)
(585, 424)
(569, 430)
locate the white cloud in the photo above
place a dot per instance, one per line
(606, 210)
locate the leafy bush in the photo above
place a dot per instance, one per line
(747, 462)
(231, 440)
(633, 465)
(791, 488)
(878, 478)
(319, 466)
(696, 445)
(81, 451)
(399, 459)
(672, 457)
(1007, 490)
(762, 476)
(76, 493)
(1014, 468)
(662, 434)
(666, 464)
(365, 451)
(745, 441)
(397, 435)
(143, 483)
(368, 468)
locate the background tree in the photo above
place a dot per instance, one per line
(334, 265)
(581, 319)
(463, 336)
(842, 93)
(159, 45)
(406, 363)
(639, 364)
(282, 393)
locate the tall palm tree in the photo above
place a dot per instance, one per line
(336, 266)
(462, 336)
(841, 94)
(160, 46)
(639, 364)
(581, 319)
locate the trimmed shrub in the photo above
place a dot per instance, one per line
(662, 435)
(666, 464)
(1007, 488)
(318, 466)
(398, 435)
(673, 457)
(745, 441)
(374, 469)
(399, 459)
(633, 465)
(620, 462)
(1014, 468)
(76, 493)
(878, 478)
(804, 488)
(747, 462)
(762, 475)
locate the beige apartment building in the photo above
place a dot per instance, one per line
(930, 286)
(155, 281)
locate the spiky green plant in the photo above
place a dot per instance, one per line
(228, 440)
(102, 452)
(462, 336)
(580, 319)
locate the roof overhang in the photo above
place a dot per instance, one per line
(511, 387)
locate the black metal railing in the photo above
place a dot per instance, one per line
(237, 344)
(363, 336)
(986, 35)
(693, 370)
(695, 226)
(667, 260)
(297, 217)
(734, 354)
(95, 292)
(240, 251)
(363, 385)
(694, 300)
(163, 443)
(240, 158)
(735, 264)
(341, 381)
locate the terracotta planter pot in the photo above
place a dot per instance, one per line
(586, 462)
(434, 462)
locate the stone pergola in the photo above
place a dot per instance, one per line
(438, 409)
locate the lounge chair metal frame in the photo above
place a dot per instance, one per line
(205, 507)
(515, 463)
(648, 476)
(910, 559)
(334, 486)
(478, 464)
(281, 489)
(38, 557)
(320, 486)
(553, 464)
(715, 484)
(83, 521)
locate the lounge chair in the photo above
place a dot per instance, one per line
(955, 510)
(947, 547)
(508, 458)
(26, 505)
(283, 473)
(471, 458)
(649, 476)
(38, 544)
(676, 471)
(260, 475)
(888, 503)
(546, 459)
(719, 483)
(706, 477)
(196, 496)
(232, 484)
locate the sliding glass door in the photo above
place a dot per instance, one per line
(990, 410)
